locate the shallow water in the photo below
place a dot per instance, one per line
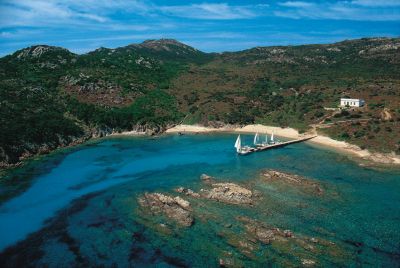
(363, 217)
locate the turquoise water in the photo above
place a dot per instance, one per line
(83, 209)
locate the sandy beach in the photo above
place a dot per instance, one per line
(354, 150)
(282, 132)
(291, 133)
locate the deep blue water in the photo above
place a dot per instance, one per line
(366, 210)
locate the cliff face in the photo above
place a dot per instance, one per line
(50, 97)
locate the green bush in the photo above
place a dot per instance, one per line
(344, 136)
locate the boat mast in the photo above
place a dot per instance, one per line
(255, 139)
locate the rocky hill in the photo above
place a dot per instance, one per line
(50, 97)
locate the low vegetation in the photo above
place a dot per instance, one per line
(50, 97)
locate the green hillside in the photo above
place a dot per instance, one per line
(50, 97)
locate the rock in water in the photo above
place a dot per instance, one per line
(182, 202)
(188, 192)
(295, 180)
(206, 179)
(307, 263)
(223, 192)
(175, 208)
(263, 233)
(229, 193)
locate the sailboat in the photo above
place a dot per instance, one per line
(257, 140)
(265, 143)
(238, 144)
(239, 149)
(272, 138)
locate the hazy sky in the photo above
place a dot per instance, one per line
(208, 25)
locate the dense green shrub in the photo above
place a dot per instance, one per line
(157, 108)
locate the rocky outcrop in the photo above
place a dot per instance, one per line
(99, 92)
(101, 132)
(175, 208)
(296, 180)
(247, 236)
(225, 192)
(14, 158)
(228, 193)
(188, 192)
(307, 263)
(168, 45)
(295, 250)
(38, 51)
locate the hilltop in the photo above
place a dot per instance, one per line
(51, 97)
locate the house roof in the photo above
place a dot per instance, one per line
(346, 99)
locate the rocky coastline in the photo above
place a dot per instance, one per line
(32, 150)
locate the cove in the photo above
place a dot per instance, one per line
(368, 211)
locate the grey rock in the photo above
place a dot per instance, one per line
(229, 193)
(175, 208)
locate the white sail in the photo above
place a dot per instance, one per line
(272, 137)
(238, 144)
(256, 139)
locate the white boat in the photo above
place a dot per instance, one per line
(238, 144)
(272, 138)
(265, 143)
(256, 141)
(242, 150)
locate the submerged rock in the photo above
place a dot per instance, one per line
(175, 208)
(207, 179)
(273, 175)
(245, 246)
(248, 238)
(263, 233)
(288, 233)
(307, 262)
(228, 260)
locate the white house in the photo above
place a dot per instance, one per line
(351, 102)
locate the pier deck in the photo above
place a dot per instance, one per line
(281, 144)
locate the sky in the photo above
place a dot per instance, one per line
(208, 25)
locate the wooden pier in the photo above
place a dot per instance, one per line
(280, 144)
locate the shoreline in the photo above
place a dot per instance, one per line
(364, 157)
(196, 129)
(127, 133)
(324, 141)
